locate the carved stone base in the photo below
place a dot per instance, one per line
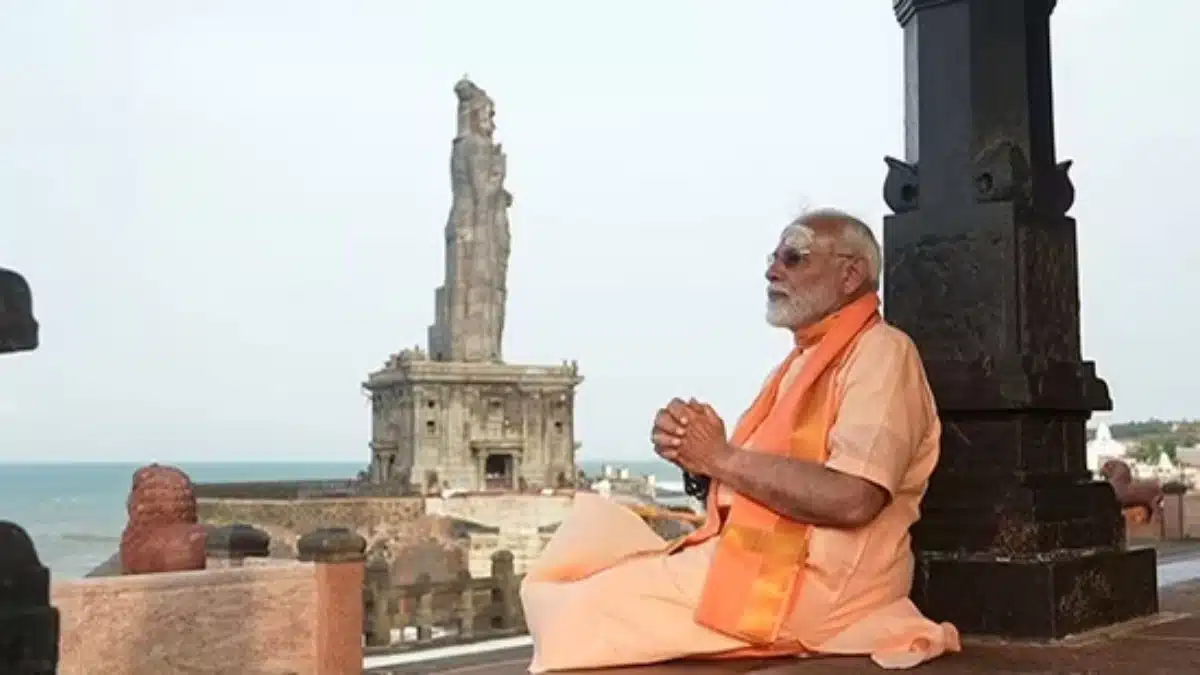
(994, 515)
(1037, 597)
(459, 416)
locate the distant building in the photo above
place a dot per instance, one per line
(454, 416)
(1166, 467)
(1189, 456)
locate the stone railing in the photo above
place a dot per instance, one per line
(244, 614)
(427, 614)
(1180, 513)
(1175, 518)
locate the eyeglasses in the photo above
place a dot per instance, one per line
(787, 256)
(791, 257)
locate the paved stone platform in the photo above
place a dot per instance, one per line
(1168, 643)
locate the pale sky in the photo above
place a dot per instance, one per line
(231, 211)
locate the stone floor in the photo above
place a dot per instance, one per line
(1170, 551)
(1169, 643)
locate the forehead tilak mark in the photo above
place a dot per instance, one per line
(797, 236)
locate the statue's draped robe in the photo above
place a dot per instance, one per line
(607, 591)
(479, 231)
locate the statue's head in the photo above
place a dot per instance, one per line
(161, 495)
(476, 111)
(1116, 472)
(823, 261)
(162, 534)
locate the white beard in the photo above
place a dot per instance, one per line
(801, 309)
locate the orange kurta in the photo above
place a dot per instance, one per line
(758, 566)
(604, 592)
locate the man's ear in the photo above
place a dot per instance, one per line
(855, 278)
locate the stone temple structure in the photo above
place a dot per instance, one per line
(454, 416)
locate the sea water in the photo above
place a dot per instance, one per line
(75, 512)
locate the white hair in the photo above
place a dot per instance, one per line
(854, 236)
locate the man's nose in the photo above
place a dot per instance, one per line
(773, 274)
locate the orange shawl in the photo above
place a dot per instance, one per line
(757, 568)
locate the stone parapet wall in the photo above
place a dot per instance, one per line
(374, 518)
(278, 489)
(247, 614)
(476, 372)
(253, 619)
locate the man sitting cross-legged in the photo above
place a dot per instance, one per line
(805, 549)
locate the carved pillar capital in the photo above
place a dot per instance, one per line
(18, 327)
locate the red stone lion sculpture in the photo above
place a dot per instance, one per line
(1140, 499)
(162, 534)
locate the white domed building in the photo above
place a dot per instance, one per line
(1166, 469)
(1103, 448)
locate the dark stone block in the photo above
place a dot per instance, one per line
(1006, 519)
(18, 327)
(237, 541)
(1046, 597)
(29, 625)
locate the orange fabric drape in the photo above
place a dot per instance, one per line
(757, 567)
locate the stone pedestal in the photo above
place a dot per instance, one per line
(1015, 538)
(472, 425)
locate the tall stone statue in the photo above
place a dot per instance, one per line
(469, 324)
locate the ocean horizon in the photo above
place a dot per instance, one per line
(75, 511)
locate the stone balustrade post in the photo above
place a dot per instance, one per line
(422, 595)
(506, 593)
(466, 605)
(29, 625)
(340, 558)
(230, 545)
(377, 593)
(1174, 519)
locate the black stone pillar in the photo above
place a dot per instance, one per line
(1015, 539)
(18, 328)
(28, 623)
